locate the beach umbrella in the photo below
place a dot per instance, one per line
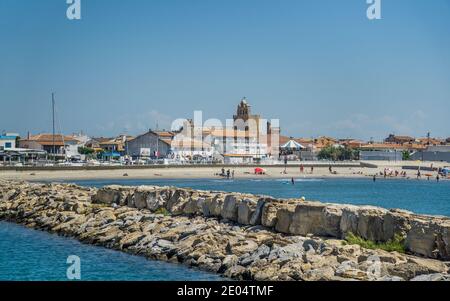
(446, 171)
(260, 171)
(292, 145)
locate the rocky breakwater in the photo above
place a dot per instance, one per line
(240, 236)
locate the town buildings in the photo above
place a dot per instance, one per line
(52, 144)
(248, 139)
(114, 148)
(399, 139)
(245, 138)
(149, 145)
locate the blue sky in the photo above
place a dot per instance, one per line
(321, 67)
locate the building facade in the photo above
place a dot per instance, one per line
(381, 155)
(7, 142)
(52, 144)
(433, 153)
(148, 145)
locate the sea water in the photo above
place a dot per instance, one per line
(27, 254)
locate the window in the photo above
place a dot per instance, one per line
(8, 145)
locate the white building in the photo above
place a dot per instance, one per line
(184, 149)
(236, 146)
(8, 141)
(246, 140)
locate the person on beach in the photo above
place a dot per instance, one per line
(330, 169)
(223, 172)
(437, 178)
(312, 169)
(302, 168)
(228, 174)
(419, 175)
(232, 174)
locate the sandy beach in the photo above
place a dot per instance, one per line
(212, 172)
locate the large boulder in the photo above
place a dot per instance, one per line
(194, 205)
(154, 201)
(349, 219)
(284, 219)
(396, 223)
(109, 195)
(370, 223)
(257, 214)
(421, 238)
(213, 206)
(140, 196)
(173, 196)
(230, 208)
(316, 218)
(246, 209)
(176, 200)
(269, 213)
(444, 239)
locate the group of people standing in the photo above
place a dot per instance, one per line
(229, 174)
(302, 169)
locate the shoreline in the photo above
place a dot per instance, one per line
(275, 172)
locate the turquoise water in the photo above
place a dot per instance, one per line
(426, 197)
(34, 255)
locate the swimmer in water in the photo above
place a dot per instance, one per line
(292, 181)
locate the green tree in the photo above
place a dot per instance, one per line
(85, 150)
(406, 155)
(338, 153)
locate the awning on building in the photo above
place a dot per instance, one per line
(292, 145)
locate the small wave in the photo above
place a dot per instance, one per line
(299, 180)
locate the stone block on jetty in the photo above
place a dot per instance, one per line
(213, 206)
(269, 212)
(257, 214)
(246, 209)
(370, 223)
(317, 219)
(396, 222)
(176, 200)
(230, 208)
(423, 237)
(113, 194)
(284, 219)
(374, 223)
(142, 194)
(444, 241)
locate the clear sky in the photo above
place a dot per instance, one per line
(321, 67)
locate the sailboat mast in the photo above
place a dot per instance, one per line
(53, 124)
